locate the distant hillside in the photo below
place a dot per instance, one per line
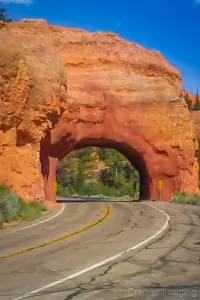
(93, 171)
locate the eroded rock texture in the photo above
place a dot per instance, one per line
(196, 117)
(109, 92)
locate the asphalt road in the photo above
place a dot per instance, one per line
(168, 268)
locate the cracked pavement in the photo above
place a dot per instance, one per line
(168, 268)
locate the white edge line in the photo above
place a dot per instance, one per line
(164, 227)
(37, 223)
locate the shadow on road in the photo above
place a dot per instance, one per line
(88, 199)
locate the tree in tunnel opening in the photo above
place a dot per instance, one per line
(97, 171)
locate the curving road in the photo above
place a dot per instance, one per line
(68, 269)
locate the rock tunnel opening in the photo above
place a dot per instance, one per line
(132, 156)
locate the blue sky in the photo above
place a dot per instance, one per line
(170, 26)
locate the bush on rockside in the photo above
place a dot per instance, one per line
(13, 208)
(184, 198)
(125, 198)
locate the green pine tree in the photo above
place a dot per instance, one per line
(197, 96)
(79, 172)
(3, 17)
(80, 178)
(71, 190)
(196, 105)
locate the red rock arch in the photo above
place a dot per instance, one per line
(114, 132)
(100, 90)
(50, 164)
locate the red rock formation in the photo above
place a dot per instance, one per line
(196, 117)
(196, 113)
(118, 95)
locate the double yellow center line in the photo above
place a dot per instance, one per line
(106, 214)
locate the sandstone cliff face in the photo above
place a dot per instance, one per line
(196, 113)
(196, 118)
(100, 90)
(32, 95)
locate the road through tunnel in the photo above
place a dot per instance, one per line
(98, 169)
(112, 126)
(136, 160)
(62, 140)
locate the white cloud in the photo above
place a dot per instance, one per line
(17, 1)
